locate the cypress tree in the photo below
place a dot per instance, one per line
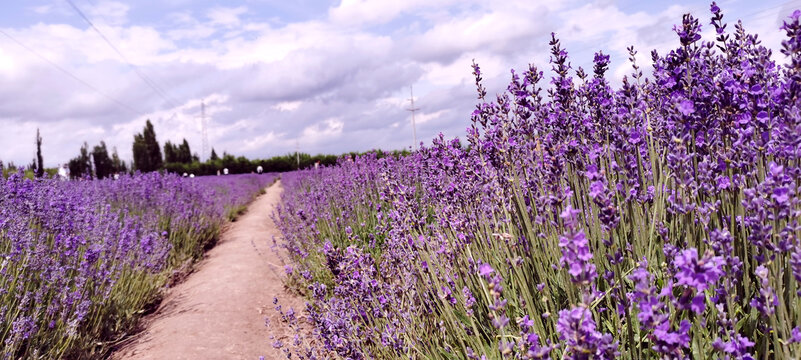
(184, 153)
(103, 164)
(146, 150)
(141, 160)
(81, 165)
(40, 161)
(170, 155)
(117, 165)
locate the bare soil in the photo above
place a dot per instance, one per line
(221, 310)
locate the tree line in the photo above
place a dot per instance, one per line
(96, 163)
(148, 155)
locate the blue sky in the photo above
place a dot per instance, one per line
(327, 76)
(157, 12)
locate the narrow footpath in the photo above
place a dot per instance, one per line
(220, 311)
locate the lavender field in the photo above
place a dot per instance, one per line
(81, 261)
(658, 219)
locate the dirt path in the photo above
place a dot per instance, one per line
(219, 311)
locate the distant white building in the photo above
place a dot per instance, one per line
(63, 172)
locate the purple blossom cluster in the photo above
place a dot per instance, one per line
(576, 220)
(80, 260)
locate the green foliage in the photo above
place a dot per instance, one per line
(146, 151)
(81, 165)
(281, 163)
(104, 167)
(184, 154)
(118, 165)
(6, 171)
(178, 153)
(170, 151)
(179, 159)
(243, 165)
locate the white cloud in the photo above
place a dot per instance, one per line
(228, 17)
(288, 105)
(260, 141)
(65, 44)
(42, 9)
(425, 117)
(392, 101)
(109, 12)
(369, 12)
(7, 63)
(326, 130)
(503, 30)
(267, 82)
(195, 32)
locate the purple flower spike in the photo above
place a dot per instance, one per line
(697, 273)
(577, 330)
(686, 107)
(485, 270)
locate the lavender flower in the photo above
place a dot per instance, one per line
(577, 329)
(692, 169)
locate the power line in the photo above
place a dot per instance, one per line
(68, 73)
(141, 75)
(150, 83)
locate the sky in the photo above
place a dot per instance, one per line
(318, 76)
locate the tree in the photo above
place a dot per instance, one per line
(146, 150)
(81, 165)
(213, 155)
(117, 164)
(140, 154)
(184, 154)
(177, 153)
(170, 153)
(39, 160)
(103, 164)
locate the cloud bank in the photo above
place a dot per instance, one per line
(328, 78)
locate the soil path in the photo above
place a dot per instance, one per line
(220, 310)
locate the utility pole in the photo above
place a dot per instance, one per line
(204, 130)
(413, 110)
(297, 153)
